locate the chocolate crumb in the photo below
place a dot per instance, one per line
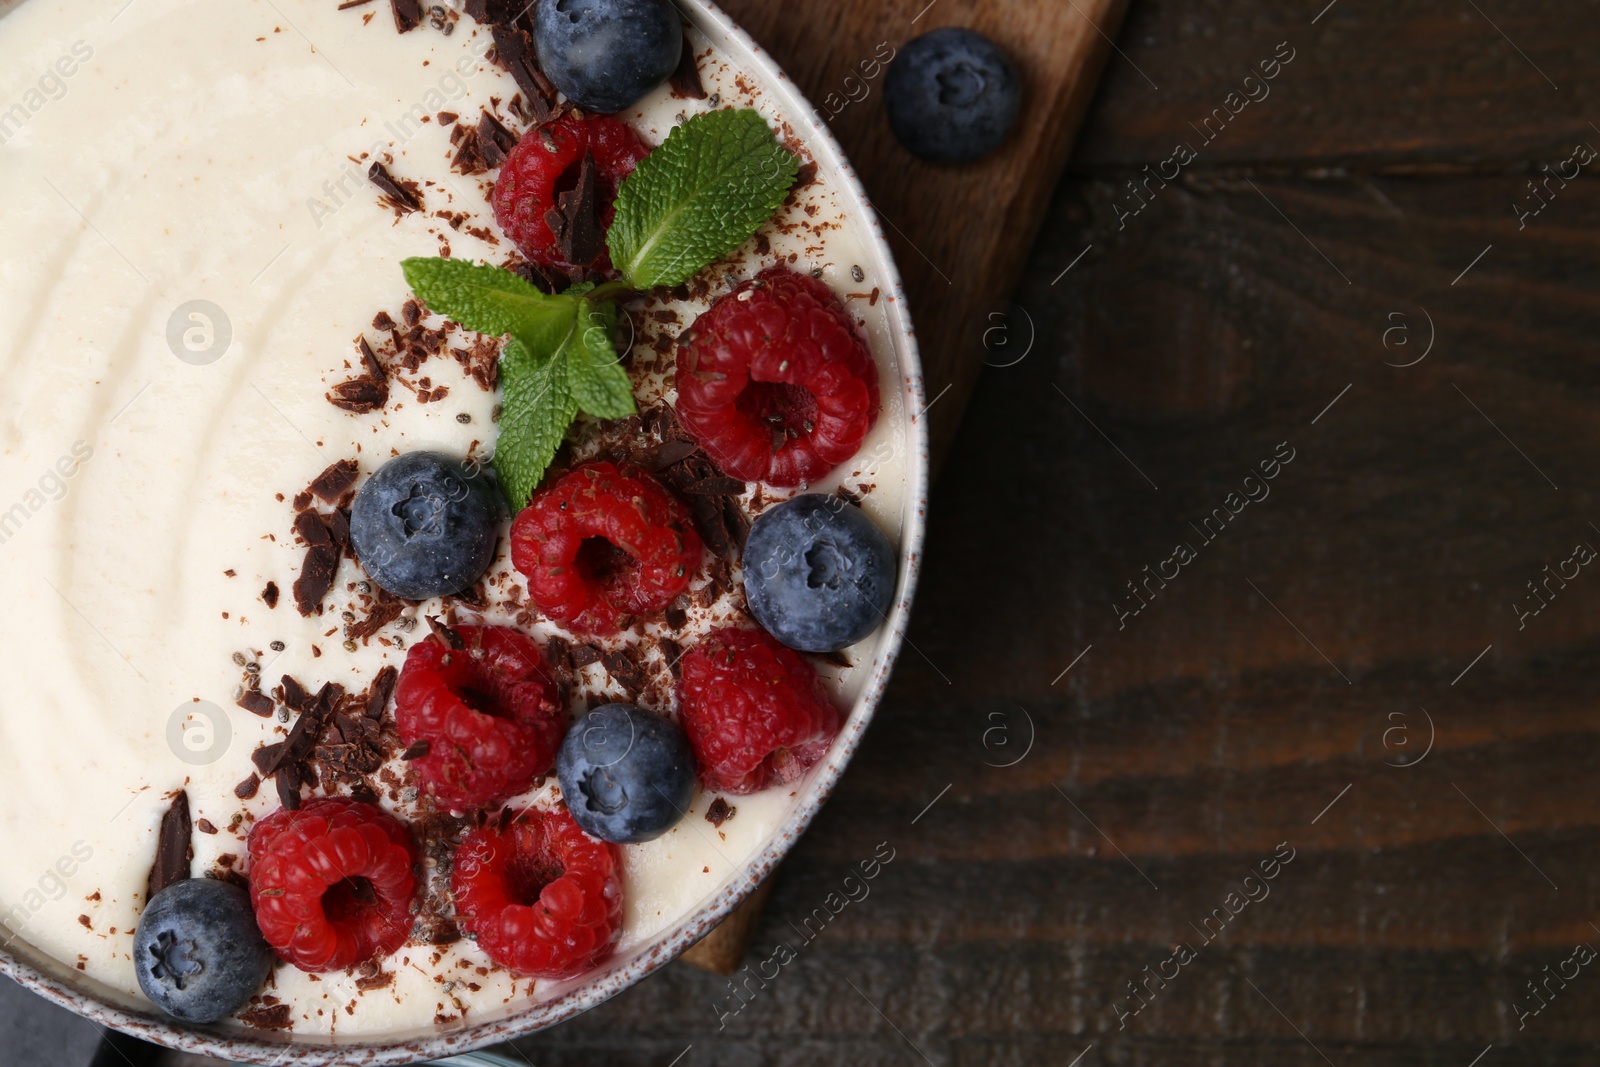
(376, 981)
(720, 812)
(174, 849)
(416, 750)
(269, 595)
(205, 826)
(583, 655)
(247, 788)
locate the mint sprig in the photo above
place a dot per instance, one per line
(697, 197)
(559, 360)
(701, 194)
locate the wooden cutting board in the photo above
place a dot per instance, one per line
(960, 234)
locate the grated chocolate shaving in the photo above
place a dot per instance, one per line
(266, 757)
(674, 655)
(404, 197)
(495, 142)
(671, 454)
(513, 47)
(714, 485)
(383, 611)
(370, 391)
(174, 849)
(277, 1017)
(622, 666)
(575, 220)
(382, 689)
(294, 694)
(685, 81)
(287, 780)
(316, 577)
(407, 14)
(446, 636)
(256, 703)
(333, 483)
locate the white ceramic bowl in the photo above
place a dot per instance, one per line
(73, 990)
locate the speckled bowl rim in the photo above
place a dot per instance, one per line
(75, 995)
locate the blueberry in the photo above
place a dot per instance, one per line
(627, 775)
(425, 525)
(605, 55)
(198, 952)
(818, 575)
(952, 96)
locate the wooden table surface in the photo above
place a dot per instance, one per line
(1276, 694)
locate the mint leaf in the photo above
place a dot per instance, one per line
(491, 300)
(700, 195)
(536, 408)
(598, 381)
(558, 360)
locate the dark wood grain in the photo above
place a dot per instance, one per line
(1262, 697)
(1421, 84)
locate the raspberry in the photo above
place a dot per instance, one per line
(542, 896)
(777, 384)
(602, 544)
(331, 883)
(487, 711)
(545, 163)
(754, 711)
